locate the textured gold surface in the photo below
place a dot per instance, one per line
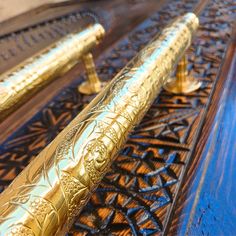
(17, 84)
(50, 192)
(182, 84)
(93, 84)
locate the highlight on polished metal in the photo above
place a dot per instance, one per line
(182, 84)
(53, 188)
(19, 83)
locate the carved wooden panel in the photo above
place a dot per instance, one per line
(19, 45)
(138, 195)
(21, 6)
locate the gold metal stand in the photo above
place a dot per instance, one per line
(182, 83)
(93, 84)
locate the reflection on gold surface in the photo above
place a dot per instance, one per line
(17, 84)
(182, 84)
(50, 192)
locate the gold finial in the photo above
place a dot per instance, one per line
(182, 83)
(93, 84)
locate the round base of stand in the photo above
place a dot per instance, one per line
(86, 88)
(188, 86)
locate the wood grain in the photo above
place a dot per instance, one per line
(21, 6)
(206, 203)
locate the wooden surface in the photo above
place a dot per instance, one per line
(207, 202)
(163, 181)
(7, 10)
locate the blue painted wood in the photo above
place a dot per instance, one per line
(210, 202)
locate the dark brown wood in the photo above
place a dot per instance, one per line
(203, 198)
(45, 13)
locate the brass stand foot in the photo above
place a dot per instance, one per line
(86, 88)
(186, 87)
(93, 84)
(182, 83)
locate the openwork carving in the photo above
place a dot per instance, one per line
(27, 41)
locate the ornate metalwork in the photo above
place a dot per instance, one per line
(182, 83)
(19, 83)
(50, 192)
(93, 84)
